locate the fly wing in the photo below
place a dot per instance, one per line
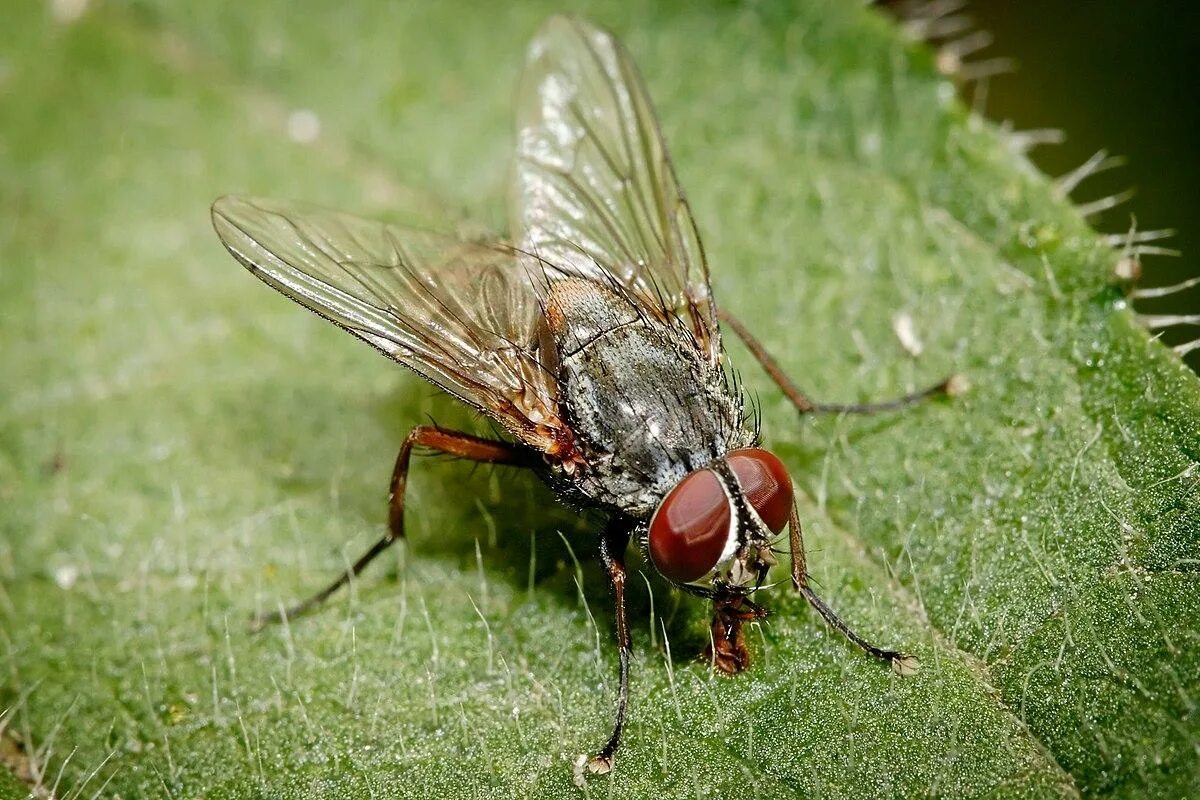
(594, 191)
(464, 316)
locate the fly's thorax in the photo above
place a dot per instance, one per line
(646, 407)
(579, 310)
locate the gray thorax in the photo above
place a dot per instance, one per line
(646, 405)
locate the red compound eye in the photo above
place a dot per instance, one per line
(766, 484)
(690, 528)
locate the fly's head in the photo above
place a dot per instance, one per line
(715, 530)
(713, 534)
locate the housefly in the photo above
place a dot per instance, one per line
(591, 337)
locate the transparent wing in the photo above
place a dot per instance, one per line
(465, 316)
(594, 192)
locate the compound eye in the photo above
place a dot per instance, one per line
(689, 530)
(766, 484)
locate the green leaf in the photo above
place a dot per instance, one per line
(180, 448)
(10, 787)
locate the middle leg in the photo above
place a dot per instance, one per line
(803, 403)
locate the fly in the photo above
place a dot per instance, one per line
(591, 337)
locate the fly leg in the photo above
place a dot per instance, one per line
(951, 385)
(902, 663)
(612, 554)
(454, 443)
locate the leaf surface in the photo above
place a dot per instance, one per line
(180, 448)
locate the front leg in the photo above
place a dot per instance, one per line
(955, 384)
(612, 554)
(901, 663)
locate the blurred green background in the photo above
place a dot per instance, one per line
(1117, 75)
